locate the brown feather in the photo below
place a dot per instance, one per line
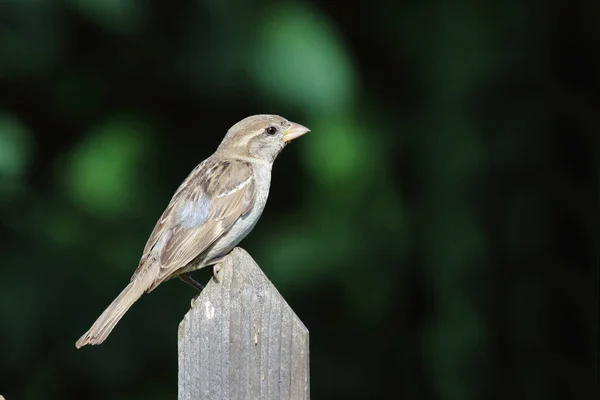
(230, 187)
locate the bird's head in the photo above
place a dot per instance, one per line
(261, 136)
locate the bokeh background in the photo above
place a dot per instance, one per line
(437, 231)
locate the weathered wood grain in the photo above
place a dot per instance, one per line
(241, 340)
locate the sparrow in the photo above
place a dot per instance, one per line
(214, 208)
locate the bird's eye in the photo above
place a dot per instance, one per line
(271, 130)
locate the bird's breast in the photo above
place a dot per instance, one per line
(243, 226)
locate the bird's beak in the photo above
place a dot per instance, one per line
(294, 131)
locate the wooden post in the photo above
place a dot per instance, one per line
(241, 340)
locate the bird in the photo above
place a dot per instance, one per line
(213, 209)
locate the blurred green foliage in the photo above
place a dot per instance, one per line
(104, 170)
(436, 231)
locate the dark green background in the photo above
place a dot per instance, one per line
(436, 231)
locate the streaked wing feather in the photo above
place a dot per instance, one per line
(229, 186)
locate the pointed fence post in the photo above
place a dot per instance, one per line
(241, 340)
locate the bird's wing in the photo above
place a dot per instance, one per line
(215, 195)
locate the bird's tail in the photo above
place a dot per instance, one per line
(113, 314)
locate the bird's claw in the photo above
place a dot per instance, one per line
(194, 299)
(216, 270)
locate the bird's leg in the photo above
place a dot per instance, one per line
(187, 278)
